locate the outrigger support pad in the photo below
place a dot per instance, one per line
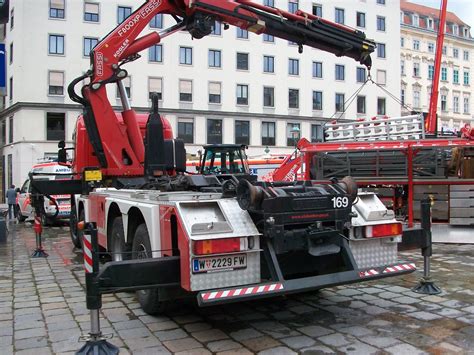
(95, 342)
(426, 285)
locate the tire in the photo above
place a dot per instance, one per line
(76, 234)
(117, 241)
(19, 216)
(149, 299)
(45, 221)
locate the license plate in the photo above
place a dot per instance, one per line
(221, 263)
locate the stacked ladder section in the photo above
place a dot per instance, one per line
(376, 129)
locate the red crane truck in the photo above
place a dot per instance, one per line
(222, 238)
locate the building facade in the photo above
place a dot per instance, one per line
(230, 87)
(419, 27)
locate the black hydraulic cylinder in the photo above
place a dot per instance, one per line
(154, 140)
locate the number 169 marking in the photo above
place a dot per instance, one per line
(340, 202)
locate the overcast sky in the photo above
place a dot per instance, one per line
(464, 9)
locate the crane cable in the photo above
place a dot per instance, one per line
(351, 99)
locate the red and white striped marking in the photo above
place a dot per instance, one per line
(206, 296)
(368, 273)
(87, 252)
(398, 268)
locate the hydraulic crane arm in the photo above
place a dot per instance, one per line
(119, 147)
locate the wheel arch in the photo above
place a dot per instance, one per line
(134, 219)
(113, 212)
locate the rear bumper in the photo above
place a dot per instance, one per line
(243, 293)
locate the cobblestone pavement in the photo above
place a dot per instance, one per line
(42, 311)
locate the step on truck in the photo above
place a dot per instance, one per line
(218, 238)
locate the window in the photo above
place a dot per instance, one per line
(11, 53)
(293, 98)
(270, 3)
(455, 104)
(402, 42)
(381, 106)
(317, 69)
(185, 90)
(339, 15)
(56, 83)
(56, 44)
(380, 23)
(214, 58)
(360, 104)
(123, 12)
(444, 102)
(55, 124)
(416, 97)
(91, 12)
(466, 77)
(317, 100)
(416, 45)
(155, 85)
(214, 131)
(268, 133)
(89, 44)
(360, 75)
(381, 2)
(455, 52)
(292, 134)
(380, 50)
(293, 6)
(268, 38)
(402, 67)
(242, 33)
(318, 10)
(339, 102)
(127, 82)
(10, 129)
(445, 50)
(242, 61)
(242, 94)
(155, 53)
(444, 74)
(381, 77)
(431, 47)
(466, 104)
(268, 96)
(416, 70)
(430, 71)
(339, 72)
(185, 55)
(157, 21)
(268, 64)
(242, 132)
(317, 133)
(3, 129)
(11, 88)
(216, 29)
(455, 30)
(416, 20)
(466, 55)
(402, 96)
(455, 76)
(215, 92)
(186, 130)
(293, 66)
(56, 8)
(430, 23)
(360, 19)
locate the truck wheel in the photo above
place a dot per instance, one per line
(141, 249)
(19, 216)
(118, 248)
(76, 234)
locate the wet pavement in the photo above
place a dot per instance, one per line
(42, 311)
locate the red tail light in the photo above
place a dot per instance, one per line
(217, 246)
(383, 230)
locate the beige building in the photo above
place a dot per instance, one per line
(418, 33)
